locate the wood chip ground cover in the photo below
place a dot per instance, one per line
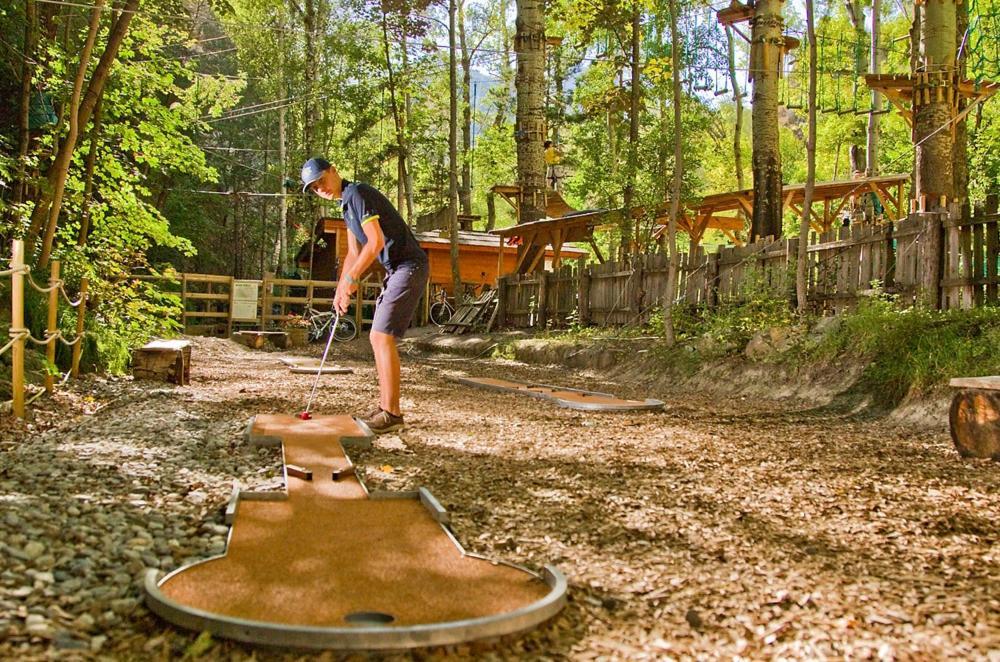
(732, 529)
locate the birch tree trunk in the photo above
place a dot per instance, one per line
(875, 65)
(529, 131)
(960, 152)
(801, 284)
(675, 189)
(738, 103)
(630, 230)
(465, 190)
(456, 276)
(765, 64)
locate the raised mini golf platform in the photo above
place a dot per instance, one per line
(564, 397)
(308, 366)
(326, 564)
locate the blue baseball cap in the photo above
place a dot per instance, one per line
(312, 170)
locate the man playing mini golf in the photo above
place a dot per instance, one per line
(376, 231)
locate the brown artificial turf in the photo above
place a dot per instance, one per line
(328, 551)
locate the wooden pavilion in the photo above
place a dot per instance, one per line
(736, 207)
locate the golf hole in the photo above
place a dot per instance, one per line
(369, 618)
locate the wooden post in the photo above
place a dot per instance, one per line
(638, 291)
(81, 315)
(543, 294)
(265, 287)
(583, 295)
(502, 289)
(184, 307)
(930, 260)
(52, 328)
(888, 256)
(712, 280)
(229, 316)
(17, 327)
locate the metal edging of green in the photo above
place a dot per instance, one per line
(649, 404)
(359, 637)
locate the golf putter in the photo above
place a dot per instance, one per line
(305, 415)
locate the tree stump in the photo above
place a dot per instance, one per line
(975, 418)
(168, 360)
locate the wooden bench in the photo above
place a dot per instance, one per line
(256, 339)
(974, 417)
(167, 360)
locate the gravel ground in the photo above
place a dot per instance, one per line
(721, 528)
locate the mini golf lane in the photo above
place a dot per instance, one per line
(328, 565)
(303, 365)
(564, 397)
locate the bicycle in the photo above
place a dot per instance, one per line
(441, 310)
(319, 326)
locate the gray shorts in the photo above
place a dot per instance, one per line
(401, 292)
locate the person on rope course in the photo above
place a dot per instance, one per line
(376, 231)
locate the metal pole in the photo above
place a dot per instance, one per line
(81, 314)
(51, 329)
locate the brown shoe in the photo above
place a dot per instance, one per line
(383, 422)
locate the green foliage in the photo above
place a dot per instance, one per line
(913, 350)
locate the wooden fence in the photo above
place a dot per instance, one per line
(942, 260)
(208, 301)
(20, 335)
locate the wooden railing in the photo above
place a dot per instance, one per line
(940, 260)
(20, 335)
(207, 302)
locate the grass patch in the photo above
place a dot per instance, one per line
(910, 351)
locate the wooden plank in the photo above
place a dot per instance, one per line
(992, 258)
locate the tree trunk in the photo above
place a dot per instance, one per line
(456, 276)
(65, 155)
(397, 120)
(491, 210)
(465, 191)
(738, 103)
(529, 43)
(875, 64)
(801, 284)
(630, 230)
(27, 72)
(960, 158)
(675, 190)
(59, 170)
(765, 65)
(88, 181)
(935, 183)
(407, 171)
(282, 267)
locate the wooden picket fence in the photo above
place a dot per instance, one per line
(20, 335)
(941, 260)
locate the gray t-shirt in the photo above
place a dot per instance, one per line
(362, 204)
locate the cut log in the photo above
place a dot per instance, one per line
(166, 360)
(256, 339)
(975, 423)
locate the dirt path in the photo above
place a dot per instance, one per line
(716, 529)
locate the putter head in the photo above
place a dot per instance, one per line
(305, 416)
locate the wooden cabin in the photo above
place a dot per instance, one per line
(479, 255)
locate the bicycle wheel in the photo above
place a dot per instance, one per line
(346, 330)
(440, 313)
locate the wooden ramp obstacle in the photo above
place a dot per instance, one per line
(975, 416)
(564, 397)
(308, 366)
(327, 564)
